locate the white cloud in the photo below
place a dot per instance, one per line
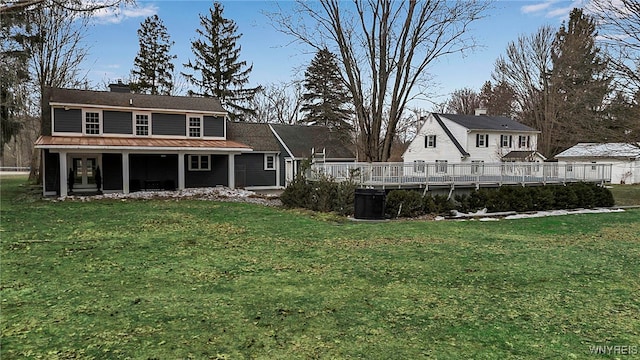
(552, 8)
(527, 9)
(121, 13)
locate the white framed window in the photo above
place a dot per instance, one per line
(523, 141)
(269, 162)
(92, 122)
(199, 162)
(194, 126)
(569, 168)
(505, 141)
(441, 166)
(593, 165)
(430, 141)
(419, 165)
(142, 124)
(477, 167)
(482, 140)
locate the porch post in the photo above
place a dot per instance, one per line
(232, 171)
(180, 170)
(64, 190)
(125, 172)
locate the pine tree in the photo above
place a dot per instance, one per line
(578, 82)
(218, 70)
(153, 69)
(327, 99)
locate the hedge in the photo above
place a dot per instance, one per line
(328, 196)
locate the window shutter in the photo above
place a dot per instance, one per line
(510, 140)
(434, 141)
(529, 141)
(426, 141)
(477, 140)
(486, 140)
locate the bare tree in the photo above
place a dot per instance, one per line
(384, 48)
(278, 103)
(464, 101)
(525, 68)
(71, 5)
(619, 24)
(55, 58)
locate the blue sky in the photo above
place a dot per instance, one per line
(113, 40)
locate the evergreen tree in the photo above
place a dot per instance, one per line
(218, 70)
(153, 69)
(578, 82)
(326, 100)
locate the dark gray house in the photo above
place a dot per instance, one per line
(121, 142)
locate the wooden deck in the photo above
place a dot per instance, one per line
(425, 175)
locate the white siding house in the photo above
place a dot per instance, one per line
(473, 139)
(624, 157)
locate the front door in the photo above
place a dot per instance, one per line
(84, 173)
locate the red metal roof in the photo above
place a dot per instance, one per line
(88, 142)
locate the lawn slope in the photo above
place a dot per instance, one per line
(200, 279)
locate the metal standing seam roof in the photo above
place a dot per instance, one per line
(88, 142)
(134, 101)
(484, 122)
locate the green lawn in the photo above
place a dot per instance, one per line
(198, 279)
(626, 194)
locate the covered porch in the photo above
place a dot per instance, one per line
(87, 165)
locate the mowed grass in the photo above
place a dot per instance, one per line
(626, 195)
(199, 279)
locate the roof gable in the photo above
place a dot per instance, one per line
(134, 101)
(484, 122)
(301, 139)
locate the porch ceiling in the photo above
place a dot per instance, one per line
(121, 143)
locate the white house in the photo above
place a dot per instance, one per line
(624, 157)
(473, 139)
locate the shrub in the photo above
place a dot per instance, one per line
(404, 203)
(442, 205)
(603, 197)
(566, 197)
(297, 194)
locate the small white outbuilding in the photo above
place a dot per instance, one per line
(624, 157)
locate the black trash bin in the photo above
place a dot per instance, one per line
(369, 204)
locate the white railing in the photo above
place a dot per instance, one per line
(412, 174)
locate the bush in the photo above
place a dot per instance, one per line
(297, 194)
(323, 195)
(404, 203)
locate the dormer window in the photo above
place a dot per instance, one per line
(195, 126)
(92, 123)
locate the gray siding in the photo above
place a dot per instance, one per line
(67, 120)
(117, 122)
(168, 124)
(218, 175)
(250, 171)
(213, 126)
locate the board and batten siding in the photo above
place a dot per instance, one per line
(168, 124)
(213, 126)
(68, 121)
(117, 122)
(250, 169)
